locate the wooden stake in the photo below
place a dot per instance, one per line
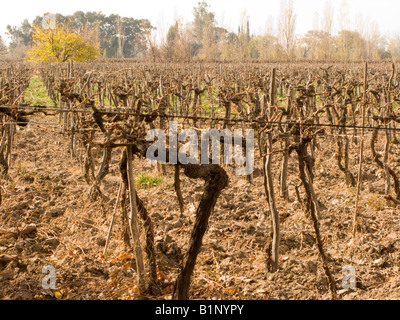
(133, 223)
(177, 186)
(272, 205)
(359, 180)
(112, 220)
(269, 183)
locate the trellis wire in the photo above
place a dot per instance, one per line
(262, 122)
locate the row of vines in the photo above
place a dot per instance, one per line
(107, 108)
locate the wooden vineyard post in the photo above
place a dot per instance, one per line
(66, 105)
(272, 206)
(273, 88)
(60, 106)
(177, 186)
(73, 137)
(112, 220)
(359, 180)
(283, 187)
(134, 223)
(10, 127)
(269, 186)
(388, 133)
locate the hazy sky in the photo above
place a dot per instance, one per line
(162, 13)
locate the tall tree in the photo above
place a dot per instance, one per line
(3, 47)
(327, 45)
(344, 20)
(244, 38)
(312, 45)
(20, 36)
(180, 43)
(120, 34)
(327, 20)
(351, 45)
(287, 28)
(375, 43)
(394, 47)
(204, 26)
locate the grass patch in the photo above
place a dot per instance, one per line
(22, 170)
(376, 202)
(36, 93)
(147, 181)
(396, 140)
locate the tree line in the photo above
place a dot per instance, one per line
(116, 36)
(203, 38)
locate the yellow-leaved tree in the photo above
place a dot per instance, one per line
(61, 45)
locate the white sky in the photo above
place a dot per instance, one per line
(162, 13)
